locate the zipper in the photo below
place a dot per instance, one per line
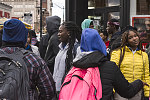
(95, 93)
(133, 66)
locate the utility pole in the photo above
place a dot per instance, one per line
(40, 19)
(63, 14)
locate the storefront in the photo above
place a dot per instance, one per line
(102, 10)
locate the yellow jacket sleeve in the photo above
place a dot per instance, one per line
(115, 56)
(145, 76)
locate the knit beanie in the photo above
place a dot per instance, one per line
(14, 31)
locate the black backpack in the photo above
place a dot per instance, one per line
(14, 78)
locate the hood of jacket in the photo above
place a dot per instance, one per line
(85, 23)
(91, 41)
(53, 23)
(89, 59)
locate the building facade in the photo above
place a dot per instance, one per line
(5, 13)
(29, 11)
(102, 10)
(5, 10)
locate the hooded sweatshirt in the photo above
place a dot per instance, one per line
(91, 41)
(53, 23)
(86, 23)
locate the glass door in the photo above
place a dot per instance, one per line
(100, 11)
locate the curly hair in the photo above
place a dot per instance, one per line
(125, 38)
(125, 43)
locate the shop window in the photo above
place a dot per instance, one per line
(113, 3)
(114, 15)
(92, 4)
(143, 7)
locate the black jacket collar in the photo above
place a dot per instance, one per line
(90, 60)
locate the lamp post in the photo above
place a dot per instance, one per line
(40, 19)
(60, 8)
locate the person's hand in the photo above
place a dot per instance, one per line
(145, 84)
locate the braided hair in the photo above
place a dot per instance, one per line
(74, 33)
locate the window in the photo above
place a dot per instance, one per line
(18, 6)
(143, 7)
(18, 13)
(113, 2)
(114, 15)
(102, 3)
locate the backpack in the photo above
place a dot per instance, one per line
(14, 78)
(81, 84)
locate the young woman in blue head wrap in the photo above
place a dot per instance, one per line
(92, 53)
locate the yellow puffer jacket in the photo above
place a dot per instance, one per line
(134, 66)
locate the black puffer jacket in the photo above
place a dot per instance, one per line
(111, 76)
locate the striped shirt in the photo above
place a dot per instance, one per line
(42, 86)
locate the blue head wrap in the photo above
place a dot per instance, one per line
(91, 41)
(15, 31)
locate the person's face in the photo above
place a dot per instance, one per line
(147, 24)
(102, 36)
(63, 34)
(133, 40)
(110, 29)
(91, 25)
(28, 40)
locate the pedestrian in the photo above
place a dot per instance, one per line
(92, 53)
(87, 23)
(29, 45)
(132, 61)
(69, 35)
(113, 30)
(34, 40)
(14, 38)
(104, 36)
(52, 49)
(52, 25)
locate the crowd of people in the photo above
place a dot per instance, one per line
(118, 54)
